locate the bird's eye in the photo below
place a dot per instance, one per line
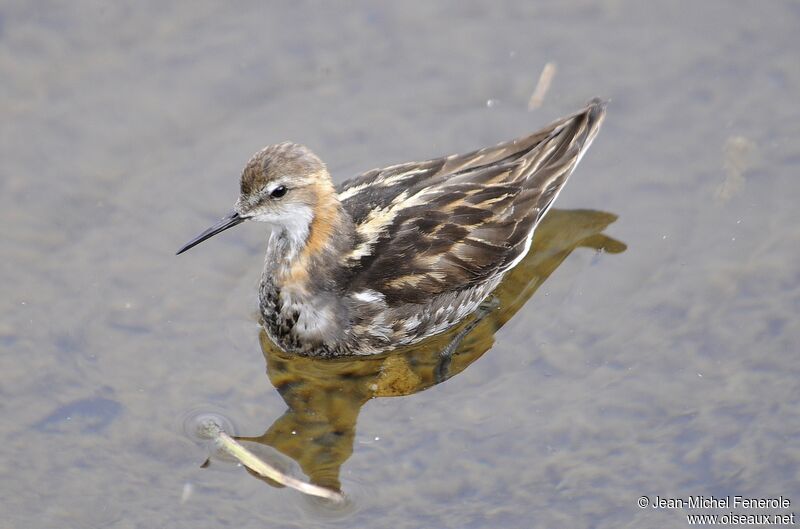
(278, 192)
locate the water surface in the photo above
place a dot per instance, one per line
(668, 369)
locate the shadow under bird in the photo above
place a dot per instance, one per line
(402, 253)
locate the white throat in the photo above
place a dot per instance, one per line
(292, 224)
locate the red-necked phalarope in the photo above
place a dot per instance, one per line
(398, 254)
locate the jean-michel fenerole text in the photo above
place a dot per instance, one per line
(720, 502)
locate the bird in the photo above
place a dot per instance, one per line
(401, 253)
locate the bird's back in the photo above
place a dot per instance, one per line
(443, 226)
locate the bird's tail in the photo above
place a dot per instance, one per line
(548, 164)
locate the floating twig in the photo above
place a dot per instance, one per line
(546, 77)
(224, 442)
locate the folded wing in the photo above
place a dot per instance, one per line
(450, 223)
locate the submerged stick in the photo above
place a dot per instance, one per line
(546, 77)
(229, 445)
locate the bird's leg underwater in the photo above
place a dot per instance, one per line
(486, 307)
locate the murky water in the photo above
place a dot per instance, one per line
(670, 368)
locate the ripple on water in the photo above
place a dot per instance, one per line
(197, 424)
(355, 494)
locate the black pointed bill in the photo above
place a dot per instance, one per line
(228, 221)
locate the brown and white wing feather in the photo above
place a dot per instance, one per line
(455, 222)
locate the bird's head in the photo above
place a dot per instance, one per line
(285, 185)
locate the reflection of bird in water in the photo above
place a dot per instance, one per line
(403, 253)
(324, 397)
